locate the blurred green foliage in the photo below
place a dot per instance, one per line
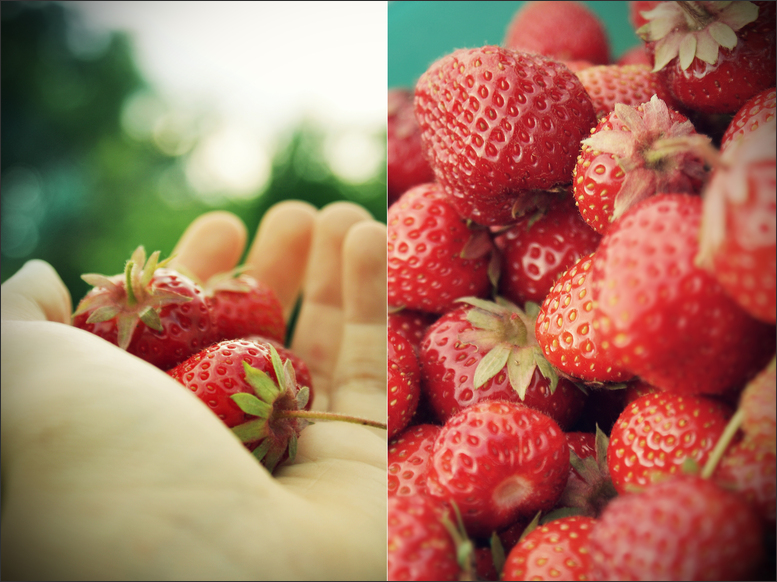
(80, 193)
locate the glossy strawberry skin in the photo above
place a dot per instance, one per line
(535, 251)
(656, 433)
(404, 378)
(497, 125)
(187, 327)
(498, 461)
(665, 319)
(556, 550)
(419, 546)
(684, 528)
(758, 110)
(409, 454)
(411, 324)
(426, 238)
(448, 370)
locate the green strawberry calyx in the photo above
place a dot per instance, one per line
(138, 300)
(506, 334)
(690, 30)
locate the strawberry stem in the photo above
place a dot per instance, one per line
(319, 415)
(695, 13)
(722, 445)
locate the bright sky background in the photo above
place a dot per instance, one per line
(259, 67)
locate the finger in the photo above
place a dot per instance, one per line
(213, 243)
(36, 293)
(279, 253)
(319, 325)
(360, 376)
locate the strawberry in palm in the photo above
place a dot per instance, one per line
(152, 311)
(499, 127)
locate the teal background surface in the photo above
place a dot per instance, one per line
(421, 32)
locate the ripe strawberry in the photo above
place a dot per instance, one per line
(636, 55)
(634, 153)
(663, 318)
(151, 311)
(565, 331)
(712, 56)
(301, 370)
(419, 545)
(484, 564)
(737, 240)
(498, 461)
(636, 8)
(499, 127)
(406, 165)
(759, 109)
(557, 550)
(404, 377)
(410, 324)
(565, 31)
(433, 256)
(589, 488)
(256, 395)
(631, 85)
(240, 305)
(535, 251)
(409, 454)
(658, 432)
(487, 351)
(684, 528)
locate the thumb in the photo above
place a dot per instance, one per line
(36, 293)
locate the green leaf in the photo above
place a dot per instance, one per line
(545, 368)
(491, 364)
(260, 451)
(277, 365)
(150, 317)
(272, 459)
(263, 386)
(520, 369)
(103, 314)
(292, 447)
(97, 280)
(251, 431)
(250, 404)
(149, 268)
(302, 397)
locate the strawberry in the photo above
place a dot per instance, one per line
(406, 166)
(485, 350)
(433, 256)
(256, 395)
(410, 324)
(737, 240)
(557, 550)
(758, 403)
(484, 564)
(636, 55)
(151, 311)
(663, 318)
(636, 8)
(631, 85)
(634, 153)
(419, 545)
(658, 432)
(240, 305)
(403, 386)
(565, 31)
(409, 454)
(565, 331)
(759, 109)
(537, 249)
(712, 56)
(301, 370)
(683, 528)
(498, 461)
(499, 127)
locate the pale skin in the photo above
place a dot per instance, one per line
(111, 470)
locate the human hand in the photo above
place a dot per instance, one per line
(110, 470)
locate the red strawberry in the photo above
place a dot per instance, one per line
(408, 459)
(487, 351)
(759, 109)
(153, 312)
(498, 126)
(589, 488)
(636, 55)
(759, 405)
(631, 85)
(634, 153)
(256, 395)
(301, 370)
(658, 432)
(498, 461)
(557, 550)
(410, 324)
(406, 165)
(419, 545)
(636, 8)
(404, 377)
(565, 31)
(240, 305)
(712, 56)
(737, 240)
(684, 528)
(535, 251)
(663, 318)
(484, 564)
(433, 256)
(565, 329)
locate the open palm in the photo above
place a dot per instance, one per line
(110, 470)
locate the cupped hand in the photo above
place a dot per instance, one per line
(111, 470)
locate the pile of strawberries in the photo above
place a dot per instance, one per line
(581, 272)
